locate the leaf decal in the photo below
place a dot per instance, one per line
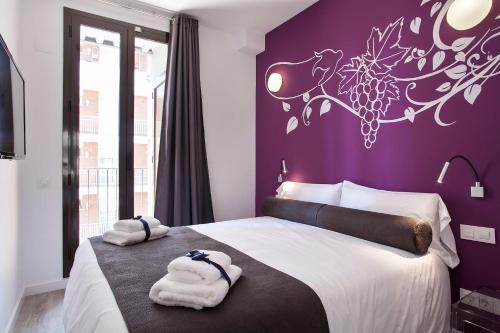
(424, 2)
(471, 93)
(309, 111)
(444, 87)
(286, 107)
(421, 63)
(293, 122)
(306, 97)
(497, 18)
(460, 56)
(420, 53)
(325, 107)
(408, 59)
(415, 25)
(410, 114)
(461, 43)
(435, 8)
(456, 72)
(383, 49)
(350, 74)
(438, 59)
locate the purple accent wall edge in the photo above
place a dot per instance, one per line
(406, 156)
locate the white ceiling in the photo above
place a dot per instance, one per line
(252, 16)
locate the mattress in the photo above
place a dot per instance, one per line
(363, 286)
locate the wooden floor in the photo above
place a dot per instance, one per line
(41, 314)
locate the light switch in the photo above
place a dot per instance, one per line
(485, 235)
(478, 234)
(466, 232)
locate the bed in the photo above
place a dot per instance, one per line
(362, 286)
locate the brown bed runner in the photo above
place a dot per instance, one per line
(263, 300)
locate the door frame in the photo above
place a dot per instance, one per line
(71, 114)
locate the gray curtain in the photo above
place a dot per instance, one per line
(183, 188)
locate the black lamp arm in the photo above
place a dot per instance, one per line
(468, 162)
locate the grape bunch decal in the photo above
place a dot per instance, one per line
(367, 80)
(368, 86)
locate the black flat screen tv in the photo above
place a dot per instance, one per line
(12, 107)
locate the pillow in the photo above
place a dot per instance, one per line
(320, 193)
(426, 206)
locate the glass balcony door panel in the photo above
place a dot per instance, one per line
(99, 129)
(149, 73)
(99, 132)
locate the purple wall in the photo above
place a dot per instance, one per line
(406, 156)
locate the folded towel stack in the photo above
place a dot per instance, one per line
(133, 231)
(196, 284)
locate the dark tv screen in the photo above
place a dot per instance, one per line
(12, 132)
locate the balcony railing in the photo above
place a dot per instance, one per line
(108, 177)
(140, 128)
(99, 198)
(89, 125)
(94, 229)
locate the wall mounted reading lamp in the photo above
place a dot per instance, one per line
(476, 191)
(282, 171)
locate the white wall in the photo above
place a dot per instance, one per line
(10, 269)
(228, 83)
(228, 89)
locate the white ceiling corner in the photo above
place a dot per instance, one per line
(244, 18)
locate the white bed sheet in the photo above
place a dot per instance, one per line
(364, 286)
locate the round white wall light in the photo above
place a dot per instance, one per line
(466, 14)
(274, 82)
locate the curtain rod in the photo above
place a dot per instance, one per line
(142, 8)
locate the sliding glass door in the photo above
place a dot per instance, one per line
(112, 71)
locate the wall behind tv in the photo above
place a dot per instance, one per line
(10, 268)
(330, 52)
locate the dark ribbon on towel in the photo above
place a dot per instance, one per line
(146, 227)
(200, 256)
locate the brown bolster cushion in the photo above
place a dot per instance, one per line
(291, 210)
(406, 233)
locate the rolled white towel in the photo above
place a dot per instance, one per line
(186, 270)
(131, 225)
(123, 238)
(197, 296)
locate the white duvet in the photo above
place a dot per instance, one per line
(364, 286)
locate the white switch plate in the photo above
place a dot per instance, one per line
(466, 232)
(478, 234)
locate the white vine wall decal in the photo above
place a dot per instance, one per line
(368, 87)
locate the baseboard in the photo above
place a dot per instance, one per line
(46, 287)
(31, 290)
(15, 313)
